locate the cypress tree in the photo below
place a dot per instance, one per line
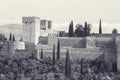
(58, 50)
(53, 54)
(41, 54)
(72, 23)
(13, 37)
(10, 37)
(85, 29)
(79, 32)
(81, 66)
(89, 29)
(67, 65)
(71, 32)
(100, 27)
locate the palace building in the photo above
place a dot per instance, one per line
(34, 27)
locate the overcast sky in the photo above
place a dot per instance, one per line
(62, 11)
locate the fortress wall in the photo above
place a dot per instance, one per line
(74, 52)
(43, 40)
(108, 46)
(118, 53)
(110, 56)
(88, 48)
(73, 42)
(79, 42)
(52, 40)
(90, 42)
(65, 41)
(118, 39)
(87, 53)
(118, 56)
(104, 42)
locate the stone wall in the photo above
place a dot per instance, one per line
(88, 47)
(65, 41)
(73, 42)
(52, 40)
(118, 56)
(78, 42)
(43, 40)
(103, 41)
(87, 53)
(90, 42)
(108, 46)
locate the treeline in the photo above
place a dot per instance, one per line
(80, 31)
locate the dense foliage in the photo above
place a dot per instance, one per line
(31, 68)
(80, 31)
(71, 30)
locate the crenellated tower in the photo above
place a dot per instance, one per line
(31, 29)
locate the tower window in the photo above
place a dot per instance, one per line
(26, 22)
(30, 22)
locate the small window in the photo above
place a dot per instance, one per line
(26, 22)
(30, 22)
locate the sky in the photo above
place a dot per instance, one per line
(63, 11)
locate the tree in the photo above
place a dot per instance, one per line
(67, 65)
(81, 66)
(100, 27)
(79, 32)
(41, 54)
(53, 54)
(89, 29)
(10, 37)
(71, 32)
(2, 37)
(115, 31)
(13, 37)
(85, 29)
(58, 50)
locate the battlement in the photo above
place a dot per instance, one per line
(45, 24)
(29, 20)
(31, 17)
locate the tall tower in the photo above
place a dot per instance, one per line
(31, 29)
(43, 24)
(50, 24)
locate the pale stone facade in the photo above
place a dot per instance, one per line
(19, 45)
(31, 29)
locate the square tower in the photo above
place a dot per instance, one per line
(31, 29)
(43, 24)
(50, 24)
